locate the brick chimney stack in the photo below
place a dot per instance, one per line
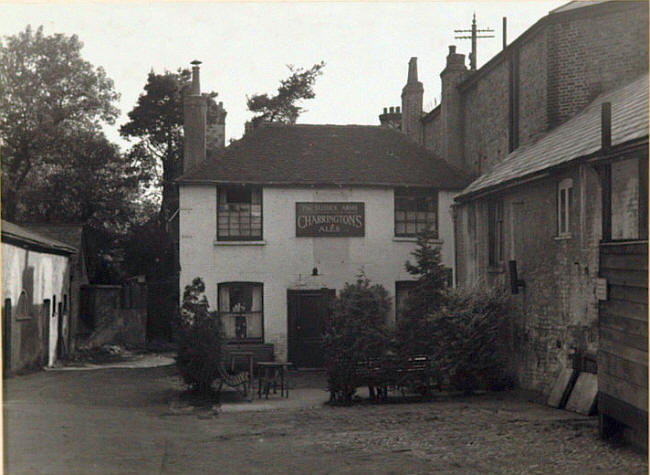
(412, 95)
(194, 118)
(451, 108)
(391, 118)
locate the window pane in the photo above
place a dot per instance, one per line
(410, 228)
(400, 228)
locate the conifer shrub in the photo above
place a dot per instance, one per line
(199, 339)
(356, 331)
(427, 296)
(466, 332)
(473, 339)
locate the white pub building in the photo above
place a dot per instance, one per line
(281, 219)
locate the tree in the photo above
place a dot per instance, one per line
(157, 122)
(427, 296)
(282, 107)
(50, 98)
(430, 291)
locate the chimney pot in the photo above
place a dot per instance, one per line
(391, 110)
(196, 83)
(397, 109)
(452, 49)
(385, 110)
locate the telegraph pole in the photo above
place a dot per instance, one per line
(474, 31)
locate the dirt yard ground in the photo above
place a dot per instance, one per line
(123, 420)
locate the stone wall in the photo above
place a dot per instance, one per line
(558, 308)
(117, 315)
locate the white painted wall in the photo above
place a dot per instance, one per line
(284, 261)
(51, 277)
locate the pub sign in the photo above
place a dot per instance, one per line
(341, 219)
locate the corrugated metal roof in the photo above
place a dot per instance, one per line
(14, 233)
(351, 155)
(578, 137)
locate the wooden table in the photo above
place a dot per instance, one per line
(272, 372)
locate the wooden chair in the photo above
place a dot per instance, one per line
(240, 381)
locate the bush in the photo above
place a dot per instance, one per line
(472, 339)
(355, 331)
(199, 339)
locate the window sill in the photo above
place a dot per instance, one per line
(239, 243)
(562, 237)
(24, 319)
(414, 239)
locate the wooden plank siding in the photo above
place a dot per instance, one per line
(623, 332)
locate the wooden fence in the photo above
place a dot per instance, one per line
(623, 338)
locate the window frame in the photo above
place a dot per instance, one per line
(414, 193)
(240, 237)
(496, 238)
(227, 314)
(563, 221)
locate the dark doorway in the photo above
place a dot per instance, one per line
(308, 311)
(45, 332)
(6, 336)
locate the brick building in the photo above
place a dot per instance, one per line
(560, 187)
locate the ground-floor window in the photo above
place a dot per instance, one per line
(241, 309)
(402, 289)
(495, 232)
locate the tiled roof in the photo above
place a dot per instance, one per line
(14, 233)
(578, 137)
(70, 234)
(326, 155)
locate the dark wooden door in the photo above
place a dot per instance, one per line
(308, 312)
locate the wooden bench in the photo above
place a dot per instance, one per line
(409, 374)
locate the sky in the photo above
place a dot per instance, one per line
(245, 47)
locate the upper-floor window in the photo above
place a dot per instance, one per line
(416, 209)
(495, 232)
(564, 201)
(241, 309)
(239, 213)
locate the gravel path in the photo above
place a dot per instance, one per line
(125, 421)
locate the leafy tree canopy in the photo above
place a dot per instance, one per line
(50, 97)
(156, 121)
(282, 106)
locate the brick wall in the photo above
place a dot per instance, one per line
(532, 88)
(432, 133)
(593, 52)
(485, 120)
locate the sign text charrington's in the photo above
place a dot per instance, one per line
(341, 219)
